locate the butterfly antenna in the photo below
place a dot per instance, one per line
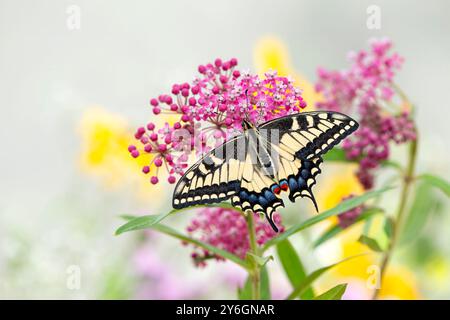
(248, 105)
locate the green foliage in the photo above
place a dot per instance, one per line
(309, 280)
(371, 243)
(245, 293)
(340, 208)
(265, 284)
(335, 230)
(425, 203)
(334, 293)
(437, 182)
(338, 155)
(293, 267)
(145, 222)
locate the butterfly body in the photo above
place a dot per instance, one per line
(254, 168)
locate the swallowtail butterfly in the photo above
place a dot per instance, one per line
(254, 167)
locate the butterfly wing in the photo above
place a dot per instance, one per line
(256, 190)
(214, 178)
(303, 139)
(253, 168)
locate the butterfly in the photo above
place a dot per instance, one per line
(255, 167)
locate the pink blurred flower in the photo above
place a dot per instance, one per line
(227, 229)
(365, 88)
(349, 217)
(157, 280)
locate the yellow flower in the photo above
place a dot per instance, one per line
(398, 283)
(105, 137)
(340, 184)
(271, 53)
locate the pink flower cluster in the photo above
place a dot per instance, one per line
(367, 88)
(227, 229)
(347, 218)
(208, 111)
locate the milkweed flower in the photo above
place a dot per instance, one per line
(227, 229)
(208, 111)
(367, 88)
(349, 217)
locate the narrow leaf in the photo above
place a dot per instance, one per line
(335, 154)
(145, 222)
(388, 227)
(437, 182)
(334, 293)
(370, 242)
(225, 254)
(307, 282)
(261, 261)
(293, 267)
(245, 293)
(336, 229)
(425, 203)
(340, 208)
(338, 155)
(265, 284)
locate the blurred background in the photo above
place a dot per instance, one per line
(72, 91)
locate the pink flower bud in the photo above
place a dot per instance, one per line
(154, 180)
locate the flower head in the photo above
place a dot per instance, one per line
(367, 88)
(227, 229)
(349, 217)
(209, 110)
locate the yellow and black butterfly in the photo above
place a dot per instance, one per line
(253, 168)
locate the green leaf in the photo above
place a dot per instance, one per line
(370, 242)
(425, 202)
(261, 261)
(437, 182)
(145, 222)
(225, 254)
(334, 293)
(336, 229)
(338, 155)
(142, 222)
(265, 284)
(335, 154)
(388, 227)
(307, 282)
(340, 208)
(293, 267)
(245, 293)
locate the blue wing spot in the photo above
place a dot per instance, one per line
(269, 196)
(305, 174)
(263, 201)
(292, 183)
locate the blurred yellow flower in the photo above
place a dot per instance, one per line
(271, 53)
(105, 137)
(340, 184)
(398, 283)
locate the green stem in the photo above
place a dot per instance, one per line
(406, 187)
(255, 270)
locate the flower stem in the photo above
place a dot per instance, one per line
(406, 186)
(255, 271)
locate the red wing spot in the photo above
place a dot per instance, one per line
(277, 190)
(284, 186)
